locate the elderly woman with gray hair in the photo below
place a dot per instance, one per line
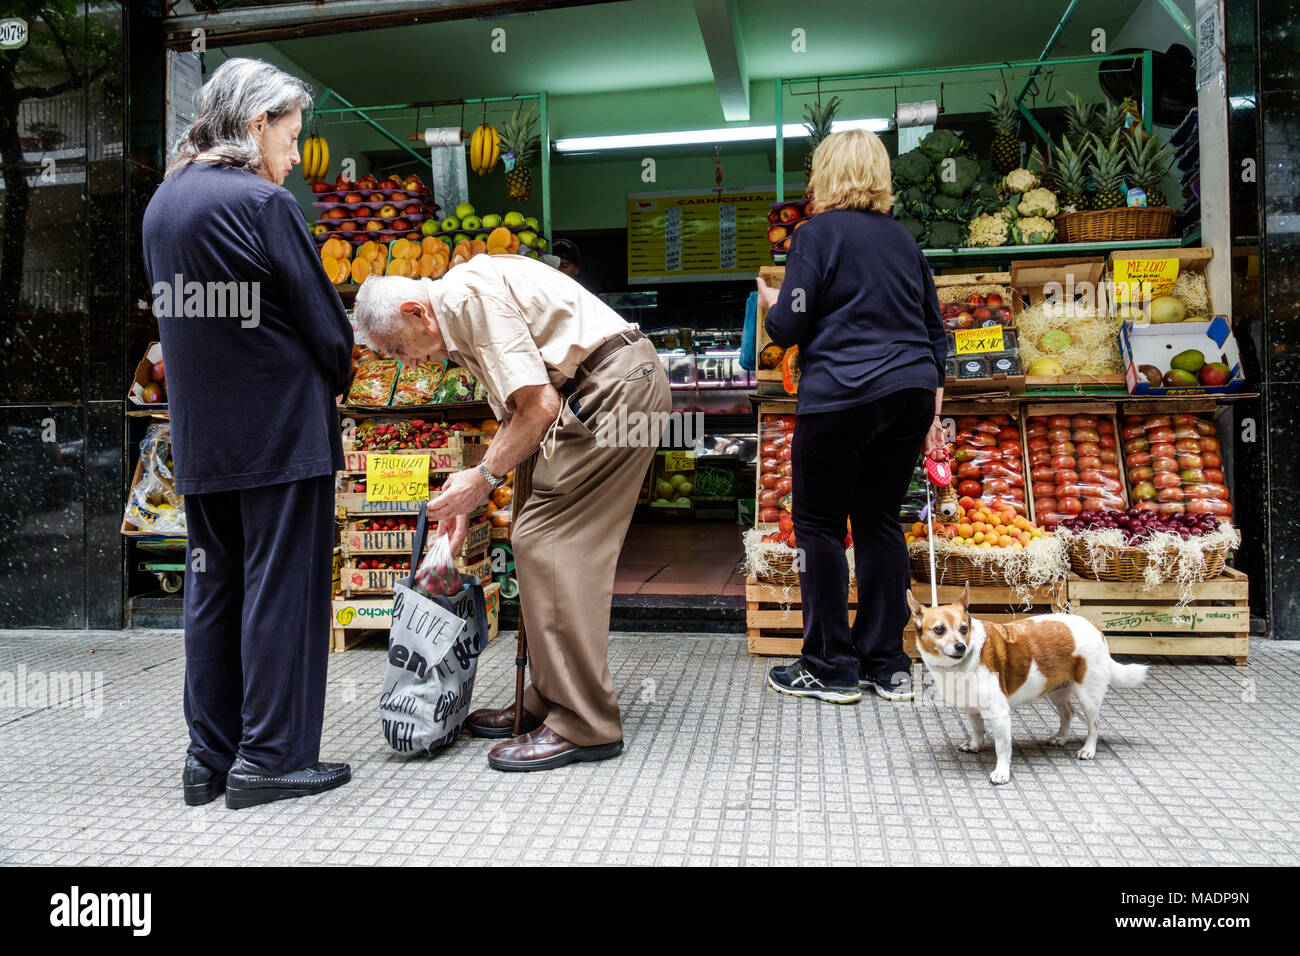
(256, 345)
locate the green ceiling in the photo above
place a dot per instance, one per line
(657, 44)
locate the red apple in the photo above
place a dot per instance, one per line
(354, 197)
(397, 196)
(776, 233)
(376, 198)
(789, 213)
(772, 217)
(158, 373)
(993, 299)
(321, 187)
(373, 225)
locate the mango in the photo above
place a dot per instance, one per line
(1190, 360)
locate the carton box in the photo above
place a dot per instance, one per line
(1154, 346)
(143, 376)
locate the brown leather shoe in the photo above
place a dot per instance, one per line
(499, 723)
(544, 749)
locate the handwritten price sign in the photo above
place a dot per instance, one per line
(1137, 280)
(397, 477)
(679, 461)
(975, 341)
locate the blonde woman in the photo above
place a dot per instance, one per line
(859, 301)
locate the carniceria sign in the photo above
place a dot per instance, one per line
(13, 33)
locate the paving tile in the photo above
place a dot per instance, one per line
(718, 771)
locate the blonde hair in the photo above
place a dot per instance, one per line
(850, 170)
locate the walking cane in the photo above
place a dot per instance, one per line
(523, 488)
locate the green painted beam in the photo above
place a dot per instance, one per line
(1147, 95)
(1179, 18)
(778, 115)
(546, 169)
(348, 107)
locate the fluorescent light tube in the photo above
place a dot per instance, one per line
(689, 137)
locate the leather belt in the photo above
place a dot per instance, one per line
(599, 354)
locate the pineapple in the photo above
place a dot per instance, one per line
(1005, 152)
(1079, 118)
(1107, 172)
(1108, 119)
(818, 120)
(1069, 178)
(1150, 163)
(519, 136)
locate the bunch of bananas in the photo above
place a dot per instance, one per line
(484, 149)
(315, 158)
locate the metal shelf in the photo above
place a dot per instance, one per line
(1050, 249)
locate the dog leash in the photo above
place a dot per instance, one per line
(934, 584)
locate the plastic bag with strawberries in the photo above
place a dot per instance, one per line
(437, 575)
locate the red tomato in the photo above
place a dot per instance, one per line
(1211, 459)
(1213, 506)
(1170, 507)
(1164, 464)
(785, 453)
(1008, 434)
(786, 521)
(1010, 448)
(1209, 444)
(1141, 473)
(1094, 504)
(786, 470)
(1089, 461)
(1059, 434)
(1062, 461)
(1086, 447)
(786, 423)
(1108, 455)
(1087, 434)
(1189, 461)
(768, 515)
(1037, 458)
(1106, 441)
(1170, 494)
(1162, 450)
(1066, 476)
(1044, 489)
(996, 486)
(1043, 473)
(769, 449)
(768, 480)
(1058, 421)
(783, 486)
(1189, 446)
(1213, 475)
(1167, 479)
(1069, 506)
(1147, 506)
(1069, 491)
(1105, 427)
(1160, 435)
(1137, 458)
(770, 464)
(1043, 504)
(1132, 431)
(1062, 448)
(1090, 475)
(968, 469)
(1035, 444)
(1015, 464)
(1038, 430)
(1136, 444)
(769, 499)
(971, 488)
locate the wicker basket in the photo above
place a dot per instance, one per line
(781, 570)
(1114, 225)
(1130, 564)
(952, 568)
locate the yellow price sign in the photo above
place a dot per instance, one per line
(679, 461)
(1139, 280)
(975, 341)
(397, 477)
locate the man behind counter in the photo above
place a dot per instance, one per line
(554, 360)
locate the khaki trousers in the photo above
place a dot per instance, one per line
(568, 538)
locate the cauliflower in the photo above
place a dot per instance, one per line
(1019, 181)
(1033, 231)
(989, 230)
(912, 168)
(1038, 202)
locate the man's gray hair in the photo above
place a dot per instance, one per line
(378, 308)
(239, 91)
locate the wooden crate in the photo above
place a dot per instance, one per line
(774, 618)
(768, 379)
(1028, 279)
(1107, 410)
(1135, 621)
(357, 541)
(1195, 261)
(766, 408)
(355, 620)
(464, 449)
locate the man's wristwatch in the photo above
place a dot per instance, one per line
(493, 481)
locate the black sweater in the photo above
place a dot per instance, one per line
(858, 298)
(251, 378)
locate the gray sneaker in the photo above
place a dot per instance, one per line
(796, 681)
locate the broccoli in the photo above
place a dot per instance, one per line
(915, 227)
(939, 144)
(963, 174)
(1033, 231)
(912, 168)
(949, 207)
(915, 202)
(947, 235)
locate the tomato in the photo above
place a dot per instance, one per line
(786, 470)
(1062, 461)
(1147, 506)
(1162, 450)
(783, 486)
(1189, 461)
(1058, 421)
(1105, 427)
(769, 499)
(1039, 457)
(1202, 427)
(971, 488)
(769, 449)
(1136, 444)
(1112, 485)
(1164, 464)
(1064, 491)
(1069, 506)
(1094, 504)
(1015, 464)
(787, 423)
(1132, 431)
(1090, 475)
(786, 521)
(1160, 435)
(1036, 444)
(1088, 461)
(1209, 444)
(785, 453)
(1087, 447)
(1189, 446)
(1008, 434)
(968, 469)
(769, 515)
(1213, 506)
(1062, 448)
(996, 486)
(965, 454)
(1019, 495)
(978, 440)
(1170, 507)
(1170, 494)
(1087, 434)
(1106, 441)
(1193, 476)
(769, 464)
(1167, 479)
(1141, 473)
(1157, 421)
(1044, 489)
(1059, 434)
(1211, 459)
(1083, 421)
(768, 479)
(1010, 448)
(1043, 473)
(1213, 475)
(1108, 455)
(1044, 504)
(1066, 476)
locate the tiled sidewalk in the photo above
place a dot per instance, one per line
(1199, 766)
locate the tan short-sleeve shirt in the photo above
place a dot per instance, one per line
(514, 321)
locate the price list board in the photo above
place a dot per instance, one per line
(688, 236)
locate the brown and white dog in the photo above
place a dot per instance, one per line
(986, 669)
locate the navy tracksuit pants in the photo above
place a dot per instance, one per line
(257, 623)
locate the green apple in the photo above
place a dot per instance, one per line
(428, 227)
(491, 221)
(528, 238)
(471, 222)
(531, 223)
(532, 254)
(465, 209)
(459, 238)
(481, 237)
(540, 243)
(514, 219)
(450, 224)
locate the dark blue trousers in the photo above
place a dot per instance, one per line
(257, 622)
(856, 463)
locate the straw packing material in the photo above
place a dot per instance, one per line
(1092, 347)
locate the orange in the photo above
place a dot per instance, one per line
(965, 530)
